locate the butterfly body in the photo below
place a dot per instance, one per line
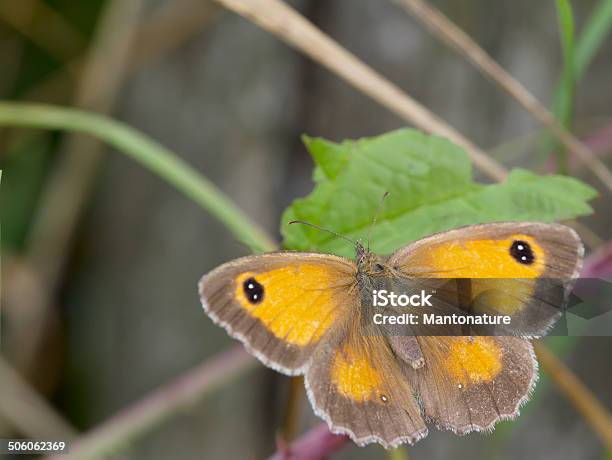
(310, 314)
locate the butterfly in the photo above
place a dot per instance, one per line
(306, 314)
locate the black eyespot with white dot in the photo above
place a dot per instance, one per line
(253, 290)
(521, 252)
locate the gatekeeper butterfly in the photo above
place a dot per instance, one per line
(303, 314)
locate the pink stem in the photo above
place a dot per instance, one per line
(316, 444)
(598, 264)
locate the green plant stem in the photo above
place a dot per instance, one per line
(564, 103)
(148, 153)
(398, 453)
(597, 28)
(577, 56)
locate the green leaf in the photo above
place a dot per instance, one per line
(430, 187)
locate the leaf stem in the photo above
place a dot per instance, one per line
(148, 153)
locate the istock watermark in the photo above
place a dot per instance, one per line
(383, 298)
(530, 307)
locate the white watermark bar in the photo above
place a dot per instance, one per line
(33, 446)
(525, 307)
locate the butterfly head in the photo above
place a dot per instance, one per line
(367, 261)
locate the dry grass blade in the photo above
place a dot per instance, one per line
(97, 89)
(288, 25)
(583, 400)
(167, 27)
(27, 411)
(42, 25)
(449, 33)
(64, 195)
(181, 394)
(293, 408)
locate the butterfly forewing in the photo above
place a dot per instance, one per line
(522, 270)
(280, 305)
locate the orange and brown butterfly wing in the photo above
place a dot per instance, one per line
(280, 305)
(357, 386)
(469, 383)
(299, 313)
(523, 270)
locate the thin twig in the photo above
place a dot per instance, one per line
(580, 396)
(25, 307)
(287, 24)
(162, 31)
(43, 26)
(449, 33)
(167, 27)
(180, 395)
(27, 411)
(293, 408)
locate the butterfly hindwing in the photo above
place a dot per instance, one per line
(469, 383)
(356, 385)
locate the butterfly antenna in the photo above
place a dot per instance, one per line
(322, 229)
(380, 205)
